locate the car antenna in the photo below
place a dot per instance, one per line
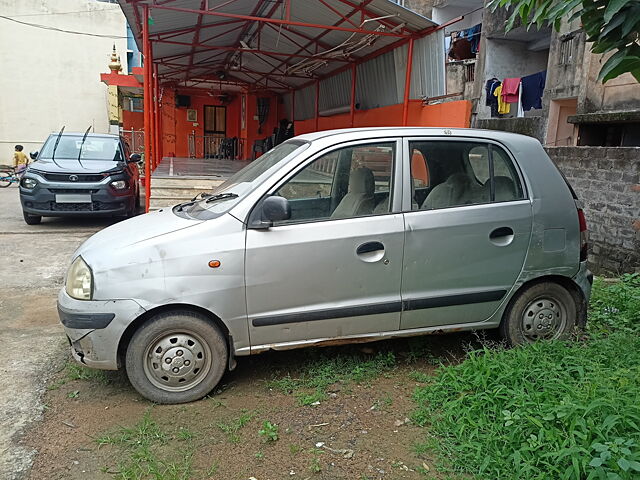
(80, 152)
(53, 155)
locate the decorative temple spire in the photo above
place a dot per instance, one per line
(114, 64)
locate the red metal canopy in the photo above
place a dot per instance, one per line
(272, 44)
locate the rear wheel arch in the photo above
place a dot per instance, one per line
(172, 308)
(566, 282)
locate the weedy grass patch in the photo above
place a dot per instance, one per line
(317, 374)
(562, 410)
(142, 457)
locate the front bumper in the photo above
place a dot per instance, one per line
(41, 200)
(94, 328)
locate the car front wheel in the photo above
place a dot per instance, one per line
(176, 357)
(543, 311)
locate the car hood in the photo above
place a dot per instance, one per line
(133, 231)
(73, 166)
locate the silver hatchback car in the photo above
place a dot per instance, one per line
(334, 237)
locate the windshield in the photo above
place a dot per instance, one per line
(243, 182)
(94, 148)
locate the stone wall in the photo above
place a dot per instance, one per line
(607, 182)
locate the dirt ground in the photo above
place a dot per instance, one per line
(362, 430)
(33, 262)
(59, 421)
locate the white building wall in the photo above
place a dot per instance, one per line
(52, 78)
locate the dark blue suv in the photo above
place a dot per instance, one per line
(81, 174)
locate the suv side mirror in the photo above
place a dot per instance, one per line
(135, 158)
(34, 155)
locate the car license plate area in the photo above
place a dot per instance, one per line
(73, 198)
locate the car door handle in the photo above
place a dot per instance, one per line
(369, 247)
(501, 236)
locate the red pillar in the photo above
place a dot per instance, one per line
(353, 94)
(146, 47)
(317, 103)
(407, 85)
(156, 124)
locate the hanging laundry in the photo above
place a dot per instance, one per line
(460, 47)
(491, 100)
(473, 36)
(510, 87)
(503, 107)
(532, 90)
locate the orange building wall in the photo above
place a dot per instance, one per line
(450, 114)
(133, 120)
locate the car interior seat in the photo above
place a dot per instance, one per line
(458, 189)
(505, 188)
(359, 199)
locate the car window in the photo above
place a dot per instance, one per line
(348, 182)
(460, 174)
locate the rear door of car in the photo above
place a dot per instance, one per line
(468, 227)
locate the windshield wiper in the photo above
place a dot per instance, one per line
(220, 196)
(53, 155)
(83, 139)
(201, 196)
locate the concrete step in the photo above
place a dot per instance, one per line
(185, 182)
(177, 192)
(157, 203)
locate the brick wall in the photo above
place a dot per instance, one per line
(607, 181)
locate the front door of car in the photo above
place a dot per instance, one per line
(333, 269)
(467, 232)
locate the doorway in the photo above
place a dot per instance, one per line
(215, 129)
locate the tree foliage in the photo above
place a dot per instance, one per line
(612, 26)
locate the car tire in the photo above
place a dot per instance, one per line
(31, 219)
(176, 357)
(542, 311)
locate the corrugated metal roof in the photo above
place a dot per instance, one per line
(188, 46)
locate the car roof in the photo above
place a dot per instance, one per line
(417, 131)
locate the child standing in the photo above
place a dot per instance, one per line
(20, 160)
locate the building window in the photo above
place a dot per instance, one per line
(133, 104)
(567, 50)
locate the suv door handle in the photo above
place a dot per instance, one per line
(369, 247)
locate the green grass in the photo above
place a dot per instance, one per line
(317, 374)
(73, 371)
(269, 431)
(233, 427)
(142, 455)
(561, 410)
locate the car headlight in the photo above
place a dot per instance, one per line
(29, 183)
(79, 284)
(119, 184)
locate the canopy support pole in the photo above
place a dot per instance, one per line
(146, 47)
(352, 109)
(317, 103)
(407, 85)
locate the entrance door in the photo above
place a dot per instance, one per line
(215, 129)
(333, 269)
(467, 233)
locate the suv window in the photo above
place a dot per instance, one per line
(460, 173)
(349, 182)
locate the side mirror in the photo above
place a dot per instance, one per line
(275, 209)
(34, 155)
(135, 158)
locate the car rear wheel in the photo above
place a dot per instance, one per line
(31, 219)
(176, 357)
(543, 311)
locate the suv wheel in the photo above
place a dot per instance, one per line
(176, 357)
(543, 311)
(31, 219)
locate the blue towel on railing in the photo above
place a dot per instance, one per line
(532, 90)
